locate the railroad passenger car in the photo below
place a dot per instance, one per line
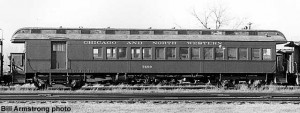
(90, 55)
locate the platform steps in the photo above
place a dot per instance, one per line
(280, 80)
(18, 79)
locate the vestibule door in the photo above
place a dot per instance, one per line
(58, 55)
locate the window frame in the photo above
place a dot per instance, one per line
(97, 48)
(259, 54)
(132, 54)
(188, 53)
(239, 54)
(118, 53)
(263, 56)
(143, 53)
(164, 53)
(112, 53)
(231, 57)
(173, 49)
(59, 47)
(215, 52)
(199, 53)
(212, 53)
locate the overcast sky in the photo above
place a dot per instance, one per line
(282, 15)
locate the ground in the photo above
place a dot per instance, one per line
(150, 107)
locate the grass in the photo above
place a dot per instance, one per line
(79, 107)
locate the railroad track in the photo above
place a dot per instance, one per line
(104, 87)
(279, 97)
(115, 87)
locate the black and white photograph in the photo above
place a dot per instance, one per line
(149, 56)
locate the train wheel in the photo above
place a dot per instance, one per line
(40, 84)
(76, 84)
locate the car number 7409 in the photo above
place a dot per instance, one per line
(146, 66)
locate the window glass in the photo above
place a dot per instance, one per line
(184, 53)
(232, 53)
(111, 52)
(122, 32)
(27, 31)
(243, 54)
(170, 32)
(160, 53)
(229, 33)
(18, 59)
(61, 31)
(85, 31)
(193, 32)
(208, 53)
(73, 31)
(110, 32)
(171, 53)
(35, 31)
(219, 54)
(97, 53)
(146, 32)
(58, 46)
(147, 53)
(267, 54)
(255, 54)
(94, 32)
(135, 53)
(182, 32)
(133, 32)
(158, 32)
(122, 52)
(195, 53)
(206, 32)
(253, 33)
(48, 31)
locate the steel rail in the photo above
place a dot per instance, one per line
(152, 96)
(190, 87)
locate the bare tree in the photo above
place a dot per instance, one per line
(205, 18)
(239, 23)
(177, 25)
(217, 17)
